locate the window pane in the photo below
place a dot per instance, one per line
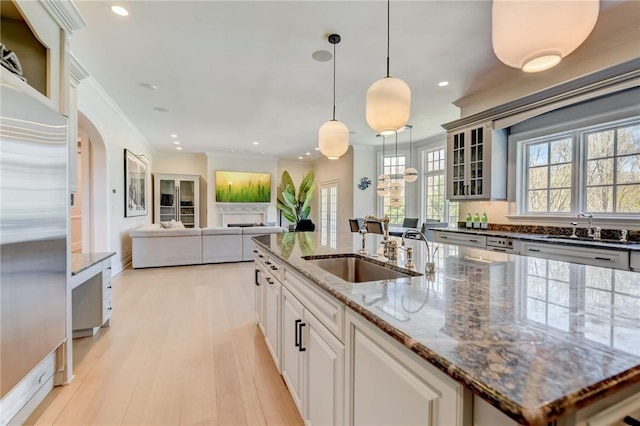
(629, 140)
(628, 199)
(561, 151)
(538, 201)
(538, 177)
(538, 154)
(600, 144)
(600, 199)
(560, 200)
(628, 170)
(560, 176)
(600, 172)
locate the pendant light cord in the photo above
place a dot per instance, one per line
(388, 26)
(334, 82)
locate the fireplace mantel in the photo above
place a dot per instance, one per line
(242, 213)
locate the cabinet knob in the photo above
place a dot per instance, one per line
(108, 286)
(109, 308)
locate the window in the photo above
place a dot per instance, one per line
(593, 169)
(612, 178)
(437, 207)
(328, 213)
(394, 167)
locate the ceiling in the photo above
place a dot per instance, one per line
(232, 73)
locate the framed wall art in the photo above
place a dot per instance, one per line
(135, 185)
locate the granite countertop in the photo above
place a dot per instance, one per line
(550, 239)
(82, 261)
(535, 338)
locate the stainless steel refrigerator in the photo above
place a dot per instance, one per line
(33, 233)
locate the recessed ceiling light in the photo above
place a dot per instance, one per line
(119, 10)
(232, 150)
(307, 153)
(149, 86)
(256, 143)
(161, 109)
(174, 135)
(322, 55)
(179, 148)
(300, 158)
(317, 148)
(443, 83)
(261, 152)
(176, 142)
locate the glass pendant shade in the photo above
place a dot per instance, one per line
(333, 139)
(388, 105)
(534, 35)
(382, 191)
(395, 202)
(410, 174)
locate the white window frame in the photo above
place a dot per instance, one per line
(328, 224)
(577, 128)
(425, 173)
(381, 200)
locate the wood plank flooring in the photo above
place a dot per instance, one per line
(183, 349)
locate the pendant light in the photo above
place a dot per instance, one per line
(396, 188)
(410, 174)
(383, 180)
(535, 35)
(333, 136)
(388, 103)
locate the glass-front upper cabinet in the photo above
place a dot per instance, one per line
(477, 163)
(176, 197)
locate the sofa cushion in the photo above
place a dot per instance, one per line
(148, 232)
(261, 230)
(219, 230)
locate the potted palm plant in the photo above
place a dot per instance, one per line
(295, 207)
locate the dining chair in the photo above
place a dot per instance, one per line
(355, 224)
(375, 227)
(410, 222)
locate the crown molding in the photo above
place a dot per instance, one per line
(66, 14)
(77, 72)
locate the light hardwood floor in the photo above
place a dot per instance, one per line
(183, 349)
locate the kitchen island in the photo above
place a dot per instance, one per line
(537, 339)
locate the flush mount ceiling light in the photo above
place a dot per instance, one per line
(534, 35)
(410, 174)
(333, 136)
(388, 103)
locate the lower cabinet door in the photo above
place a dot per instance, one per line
(259, 296)
(292, 356)
(389, 386)
(324, 374)
(272, 318)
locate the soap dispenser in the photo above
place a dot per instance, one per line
(484, 221)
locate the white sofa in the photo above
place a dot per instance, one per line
(154, 245)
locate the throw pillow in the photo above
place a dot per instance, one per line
(164, 225)
(176, 225)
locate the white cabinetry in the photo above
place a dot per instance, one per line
(476, 163)
(388, 385)
(479, 241)
(268, 301)
(584, 255)
(176, 197)
(312, 364)
(91, 299)
(634, 260)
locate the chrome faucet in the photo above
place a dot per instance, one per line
(390, 250)
(409, 250)
(589, 217)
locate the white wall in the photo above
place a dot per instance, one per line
(116, 131)
(365, 159)
(228, 162)
(340, 170)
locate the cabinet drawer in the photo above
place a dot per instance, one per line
(327, 309)
(461, 239)
(106, 309)
(587, 256)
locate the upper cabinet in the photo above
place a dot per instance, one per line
(477, 163)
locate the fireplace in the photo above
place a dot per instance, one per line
(241, 215)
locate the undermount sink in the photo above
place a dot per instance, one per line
(588, 240)
(356, 269)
